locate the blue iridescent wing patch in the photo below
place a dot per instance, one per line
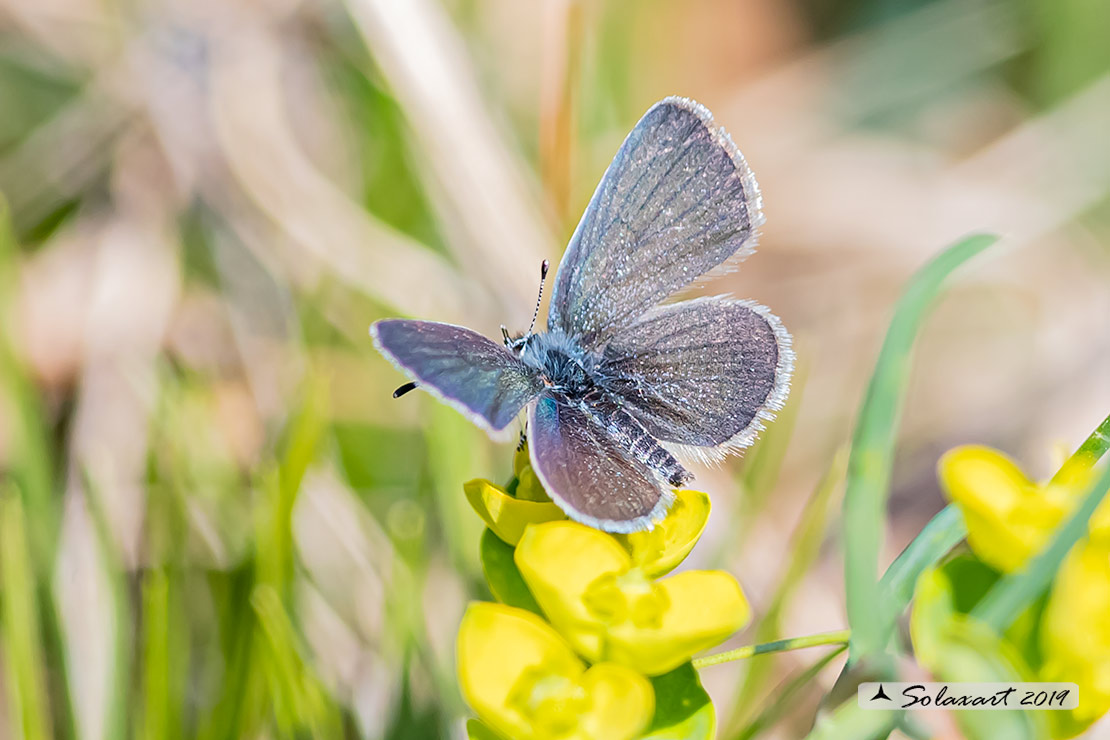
(586, 472)
(483, 380)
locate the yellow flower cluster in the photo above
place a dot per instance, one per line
(612, 620)
(1009, 520)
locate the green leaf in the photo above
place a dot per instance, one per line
(683, 710)
(502, 575)
(850, 722)
(475, 730)
(955, 647)
(872, 453)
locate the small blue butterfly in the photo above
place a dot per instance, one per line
(620, 384)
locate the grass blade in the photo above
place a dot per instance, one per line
(947, 529)
(873, 449)
(784, 697)
(27, 703)
(943, 532)
(805, 547)
(30, 460)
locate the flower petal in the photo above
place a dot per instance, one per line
(660, 549)
(528, 486)
(703, 609)
(497, 645)
(559, 561)
(1075, 634)
(1009, 518)
(524, 682)
(623, 703)
(609, 610)
(506, 515)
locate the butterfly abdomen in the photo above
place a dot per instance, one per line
(640, 444)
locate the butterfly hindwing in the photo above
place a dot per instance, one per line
(677, 201)
(701, 373)
(587, 473)
(478, 377)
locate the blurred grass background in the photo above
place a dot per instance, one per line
(215, 522)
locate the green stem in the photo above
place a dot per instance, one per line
(839, 637)
(784, 697)
(1094, 447)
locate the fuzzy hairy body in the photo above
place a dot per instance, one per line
(580, 378)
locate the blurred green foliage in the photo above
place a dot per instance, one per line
(212, 617)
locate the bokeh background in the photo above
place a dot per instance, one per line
(215, 522)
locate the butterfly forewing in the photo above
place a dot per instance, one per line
(677, 201)
(587, 473)
(480, 378)
(702, 372)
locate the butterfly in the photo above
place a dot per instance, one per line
(622, 384)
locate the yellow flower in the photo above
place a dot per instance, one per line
(1075, 634)
(610, 610)
(528, 486)
(660, 549)
(524, 682)
(1010, 518)
(508, 515)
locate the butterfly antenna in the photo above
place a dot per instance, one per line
(536, 314)
(404, 389)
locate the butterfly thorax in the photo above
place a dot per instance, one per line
(565, 367)
(574, 374)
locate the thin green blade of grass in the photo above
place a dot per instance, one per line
(155, 717)
(27, 705)
(784, 697)
(455, 457)
(1088, 453)
(300, 703)
(872, 454)
(948, 528)
(244, 695)
(30, 459)
(1008, 598)
(943, 532)
(805, 546)
(239, 701)
(280, 487)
